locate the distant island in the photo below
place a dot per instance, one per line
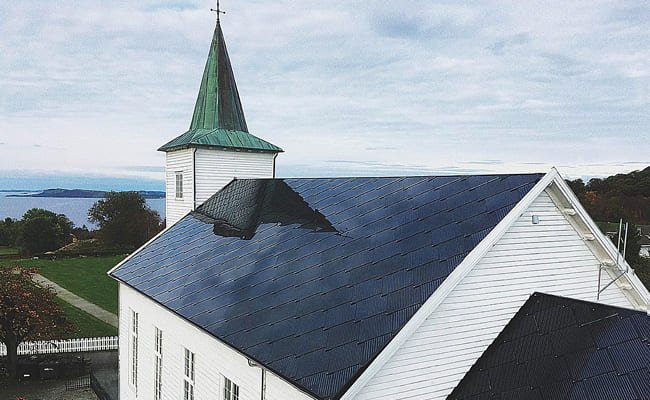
(85, 194)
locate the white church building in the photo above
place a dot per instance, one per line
(352, 288)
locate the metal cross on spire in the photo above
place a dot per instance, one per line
(218, 11)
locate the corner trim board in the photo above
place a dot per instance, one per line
(194, 179)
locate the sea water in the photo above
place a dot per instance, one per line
(74, 208)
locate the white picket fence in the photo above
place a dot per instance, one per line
(65, 346)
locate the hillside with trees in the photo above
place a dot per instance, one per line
(624, 196)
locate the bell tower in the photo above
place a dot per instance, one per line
(217, 147)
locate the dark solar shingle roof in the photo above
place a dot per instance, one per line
(559, 348)
(313, 277)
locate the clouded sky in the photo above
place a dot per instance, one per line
(93, 88)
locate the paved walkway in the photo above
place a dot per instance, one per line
(77, 301)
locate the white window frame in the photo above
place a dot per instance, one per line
(230, 389)
(188, 374)
(178, 188)
(157, 381)
(133, 378)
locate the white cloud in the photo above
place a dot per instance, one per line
(414, 87)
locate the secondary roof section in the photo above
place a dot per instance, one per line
(218, 119)
(560, 348)
(313, 277)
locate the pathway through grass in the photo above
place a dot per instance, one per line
(87, 325)
(86, 277)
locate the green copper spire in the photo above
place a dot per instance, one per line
(218, 104)
(218, 119)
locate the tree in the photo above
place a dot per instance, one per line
(578, 187)
(42, 230)
(624, 196)
(8, 231)
(125, 219)
(27, 312)
(83, 233)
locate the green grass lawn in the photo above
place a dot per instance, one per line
(85, 277)
(87, 325)
(6, 251)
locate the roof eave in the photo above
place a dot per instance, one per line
(167, 149)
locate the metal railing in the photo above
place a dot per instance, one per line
(81, 382)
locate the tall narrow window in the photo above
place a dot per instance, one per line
(134, 349)
(157, 381)
(188, 379)
(179, 185)
(230, 390)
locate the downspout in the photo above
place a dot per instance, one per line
(253, 364)
(274, 157)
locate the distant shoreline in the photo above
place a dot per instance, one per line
(82, 194)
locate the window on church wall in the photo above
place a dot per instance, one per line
(157, 390)
(179, 185)
(230, 390)
(188, 379)
(134, 350)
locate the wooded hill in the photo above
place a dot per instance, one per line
(624, 196)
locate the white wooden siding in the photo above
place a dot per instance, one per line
(179, 161)
(212, 169)
(213, 358)
(550, 257)
(215, 168)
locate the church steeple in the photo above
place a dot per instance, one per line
(217, 147)
(218, 120)
(218, 104)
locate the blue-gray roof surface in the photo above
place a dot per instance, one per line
(560, 348)
(313, 277)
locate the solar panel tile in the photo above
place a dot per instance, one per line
(575, 368)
